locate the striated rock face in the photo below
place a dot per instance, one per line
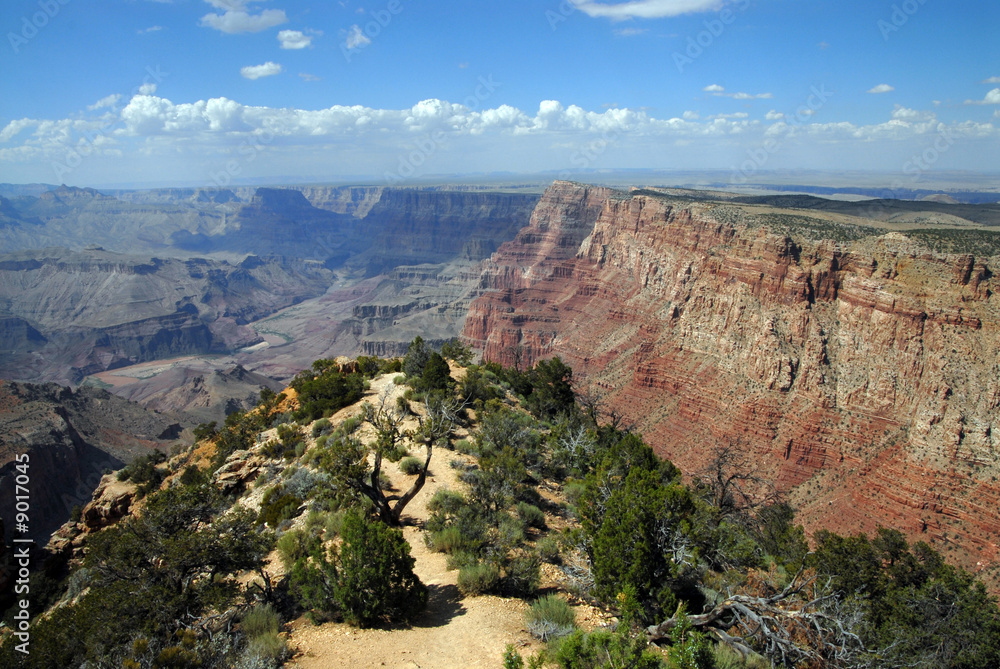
(863, 374)
(77, 313)
(409, 227)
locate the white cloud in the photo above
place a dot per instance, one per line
(992, 98)
(268, 69)
(991, 80)
(645, 9)
(151, 29)
(147, 89)
(309, 77)
(881, 88)
(630, 32)
(150, 132)
(239, 19)
(109, 101)
(294, 39)
(719, 91)
(356, 38)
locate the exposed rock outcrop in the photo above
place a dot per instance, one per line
(863, 374)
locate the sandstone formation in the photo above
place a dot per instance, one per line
(860, 368)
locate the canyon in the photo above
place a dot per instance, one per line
(849, 347)
(856, 365)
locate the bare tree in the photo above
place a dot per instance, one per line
(804, 622)
(735, 483)
(351, 458)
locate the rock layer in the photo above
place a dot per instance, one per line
(863, 375)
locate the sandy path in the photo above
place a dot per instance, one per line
(452, 633)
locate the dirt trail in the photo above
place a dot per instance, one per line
(452, 633)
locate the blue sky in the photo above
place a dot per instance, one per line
(211, 92)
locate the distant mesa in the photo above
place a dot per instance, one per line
(216, 195)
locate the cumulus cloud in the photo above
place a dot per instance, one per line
(992, 98)
(645, 9)
(294, 39)
(204, 132)
(268, 69)
(356, 38)
(991, 80)
(109, 101)
(237, 17)
(881, 88)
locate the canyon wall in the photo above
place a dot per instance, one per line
(861, 370)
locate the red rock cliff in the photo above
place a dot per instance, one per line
(864, 375)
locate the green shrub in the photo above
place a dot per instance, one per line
(478, 579)
(193, 476)
(292, 545)
(411, 466)
(550, 617)
(334, 523)
(449, 540)
(522, 574)
(277, 506)
(446, 501)
(324, 390)
(465, 447)
(531, 515)
(461, 558)
(143, 472)
(377, 583)
(512, 659)
(319, 426)
(724, 657)
(260, 620)
(548, 549)
(270, 648)
(574, 492)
